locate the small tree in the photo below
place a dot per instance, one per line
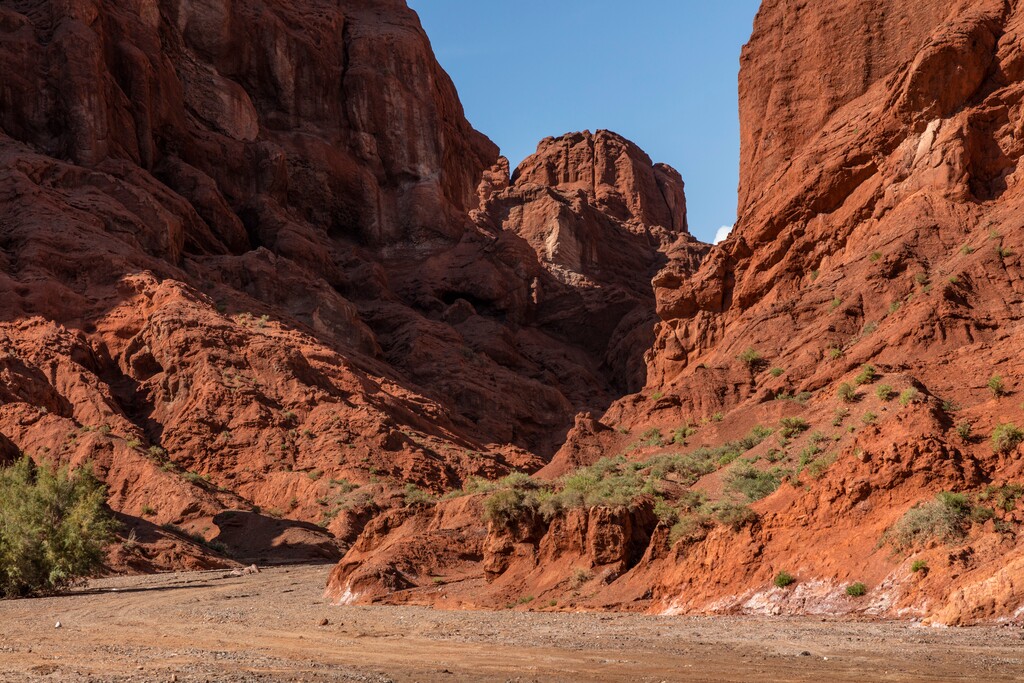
(53, 528)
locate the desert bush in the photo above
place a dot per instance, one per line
(840, 416)
(996, 386)
(752, 483)
(53, 528)
(866, 375)
(506, 507)
(579, 577)
(680, 435)
(752, 358)
(908, 396)
(869, 418)
(885, 392)
(919, 566)
(731, 514)
(856, 590)
(1006, 437)
(835, 354)
(414, 495)
(817, 466)
(965, 430)
(1003, 497)
(847, 393)
(944, 518)
(784, 579)
(791, 426)
(777, 372)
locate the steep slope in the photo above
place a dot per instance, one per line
(852, 351)
(258, 269)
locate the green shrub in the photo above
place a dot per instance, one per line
(752, 358)
(752, 483)
(1004, 497)
(414, 495)
(856, 590)
(847, 393)
(965, 430)
(791, 426)
(866, 376)
(816, 467)
(919, 566)
(732, 515)
(944, 518)
(680, 435)
(657, 395)
(784, 579)
(836, 303)
(966, 249)
(996, 386)
(835, 354)
(651, 437)
(875, 256)
(777, 372)
(508, 506)
(840, 416)
(1006, 437)
(53, 528)
(885, 392)
(869, 418)
(718, 417)
(908, 396)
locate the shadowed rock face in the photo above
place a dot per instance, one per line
(253, 256)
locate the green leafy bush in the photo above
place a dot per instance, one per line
(856, 590)
(866, 375)
(996, 386)
(885, 392)
(53, 528)
(919, 566)
(784, 579)
(847, 393)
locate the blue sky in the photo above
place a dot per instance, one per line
(660, 72)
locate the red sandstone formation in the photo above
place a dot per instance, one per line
(259, 270)
(877, 202)
(256, 260)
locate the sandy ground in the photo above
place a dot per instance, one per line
(211, 626)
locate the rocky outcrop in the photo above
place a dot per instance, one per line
(253, 262)
(877, 228)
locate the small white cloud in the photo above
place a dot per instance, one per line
(723, 233)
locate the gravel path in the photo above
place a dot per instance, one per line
(211, 626)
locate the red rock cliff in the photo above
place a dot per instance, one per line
(240, 274)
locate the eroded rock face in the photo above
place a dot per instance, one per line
(253, 259)
(879, 204)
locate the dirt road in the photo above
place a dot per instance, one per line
(210, 626)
